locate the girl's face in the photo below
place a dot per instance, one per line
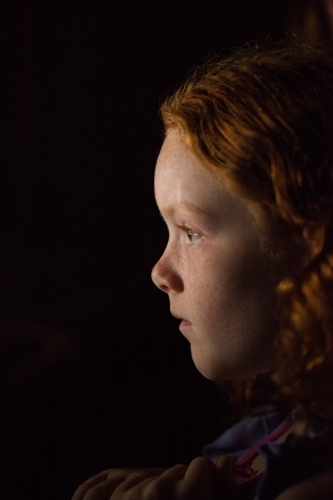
(214, 268)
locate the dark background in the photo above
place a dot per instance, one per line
(93, 371)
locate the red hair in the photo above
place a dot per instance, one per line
(262, 118)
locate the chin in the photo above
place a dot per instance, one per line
(207, 368)
(220, 372)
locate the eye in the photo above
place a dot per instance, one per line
(192, 236)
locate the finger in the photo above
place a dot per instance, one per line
(224, 464)
(143, 476)
(102, 485)
(177, 472)
(159, 486)
(113, 477)
(199, 480)
(226, 480)
(133, 486)
(103, 490)
(91, 482)
(200, 467)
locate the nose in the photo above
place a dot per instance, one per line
(165, 276)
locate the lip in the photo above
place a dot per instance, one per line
(184, 322)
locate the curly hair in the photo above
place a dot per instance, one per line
(262, 119)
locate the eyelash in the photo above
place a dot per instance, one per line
(190, 234)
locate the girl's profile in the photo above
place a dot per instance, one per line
(244, 183)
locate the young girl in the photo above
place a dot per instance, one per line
(244, 182)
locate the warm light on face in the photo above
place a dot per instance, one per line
(213, 268)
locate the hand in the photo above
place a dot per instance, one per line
(201, 480)
(101, 486)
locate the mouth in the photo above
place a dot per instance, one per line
(184, 322)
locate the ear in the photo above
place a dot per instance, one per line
(314, 239)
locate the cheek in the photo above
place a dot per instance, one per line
(210, 289)
(227, 284)
(230, 297)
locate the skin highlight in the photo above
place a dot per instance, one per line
(213, 269)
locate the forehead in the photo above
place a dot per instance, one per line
(181, 179)
(175, 156)
(179, 171)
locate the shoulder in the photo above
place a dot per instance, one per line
(318, 487)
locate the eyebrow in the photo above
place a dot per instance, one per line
(171, 209)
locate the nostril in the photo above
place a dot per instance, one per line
(164, 288)
(158, 279)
